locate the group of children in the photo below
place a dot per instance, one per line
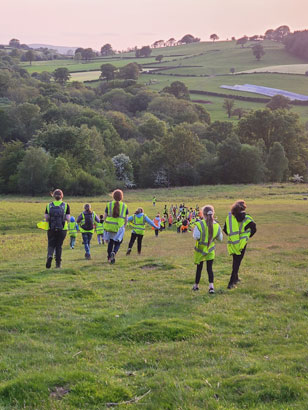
(110, 228)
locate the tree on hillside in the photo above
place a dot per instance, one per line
(281, 32)
(239, 112)
(258, 51)
(269, 34)
(14, 43)
(124, 169)
(30, 56)
(145, 51)
(158, 44)
(78, 57)
(214, 37)
(279, 101)
(297, 44)
(188, 39)
(159, 58)
(106, 50)
(171, 42)
(232, 70)
(108, 71)
(277, 163)
(61, 75)
(178, 89)
(242, 41)
(87, 54)
(228, 106)
(129, 71)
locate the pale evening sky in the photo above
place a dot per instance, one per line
(125, 23)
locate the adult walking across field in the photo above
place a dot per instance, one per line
(116, 215)
(57, 214)
(86, 222)
(239, 227)
(206, 232)
(138, 221)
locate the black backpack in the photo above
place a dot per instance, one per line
(87, 222)
(56, 216)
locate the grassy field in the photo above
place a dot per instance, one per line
(219, 57)
(283, 69)
(73, 66)
(91, 333)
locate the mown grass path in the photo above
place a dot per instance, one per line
(91, 333)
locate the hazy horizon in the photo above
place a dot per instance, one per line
(92, 23)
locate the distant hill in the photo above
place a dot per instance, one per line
(60, 49)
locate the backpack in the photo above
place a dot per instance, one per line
(56, 216)
(87, 222)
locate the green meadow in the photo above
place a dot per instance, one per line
(133, 335)
(204, 66)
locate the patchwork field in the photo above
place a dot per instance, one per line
(92, 334)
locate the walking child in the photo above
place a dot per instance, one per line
(99, 228)
(116, 215)
(239, 227)
(86, 222)
(157, 222)
(73, 228)
(206, 232)
(57, 214)
(138, 221)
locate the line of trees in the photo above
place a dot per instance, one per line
(89, 141)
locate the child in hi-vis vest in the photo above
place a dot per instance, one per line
(73, 228)
(99, 229)
(138, 221)
(206, 231)
(239, 227)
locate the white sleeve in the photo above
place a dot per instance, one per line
(196, 233)
(219, 236)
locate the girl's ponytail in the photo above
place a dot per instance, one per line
(117, 196)
(208, 213)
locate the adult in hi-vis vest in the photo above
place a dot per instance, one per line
(57, 214)
(137, 221)
(239, 227)
(116, 214)
(86, 222)
(206, 232)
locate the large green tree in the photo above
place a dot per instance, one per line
(61, 75)
(34, 171)
(277, 163)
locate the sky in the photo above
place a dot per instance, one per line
(129, 23)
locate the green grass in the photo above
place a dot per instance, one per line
(92, 333)
(72, 66)
(283, 69)
(218, 58)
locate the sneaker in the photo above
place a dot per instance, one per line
(195, 287)
(231, 286)
(58, 265)
(87, 256)
(48, 262)
(112, 258)
(128, 251)
(211, 290)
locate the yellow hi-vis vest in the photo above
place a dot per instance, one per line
(99, 228)
(83, 221)
(203, 252)
(138, 224)
(114, 224)
(237, 236)
(72, 230)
